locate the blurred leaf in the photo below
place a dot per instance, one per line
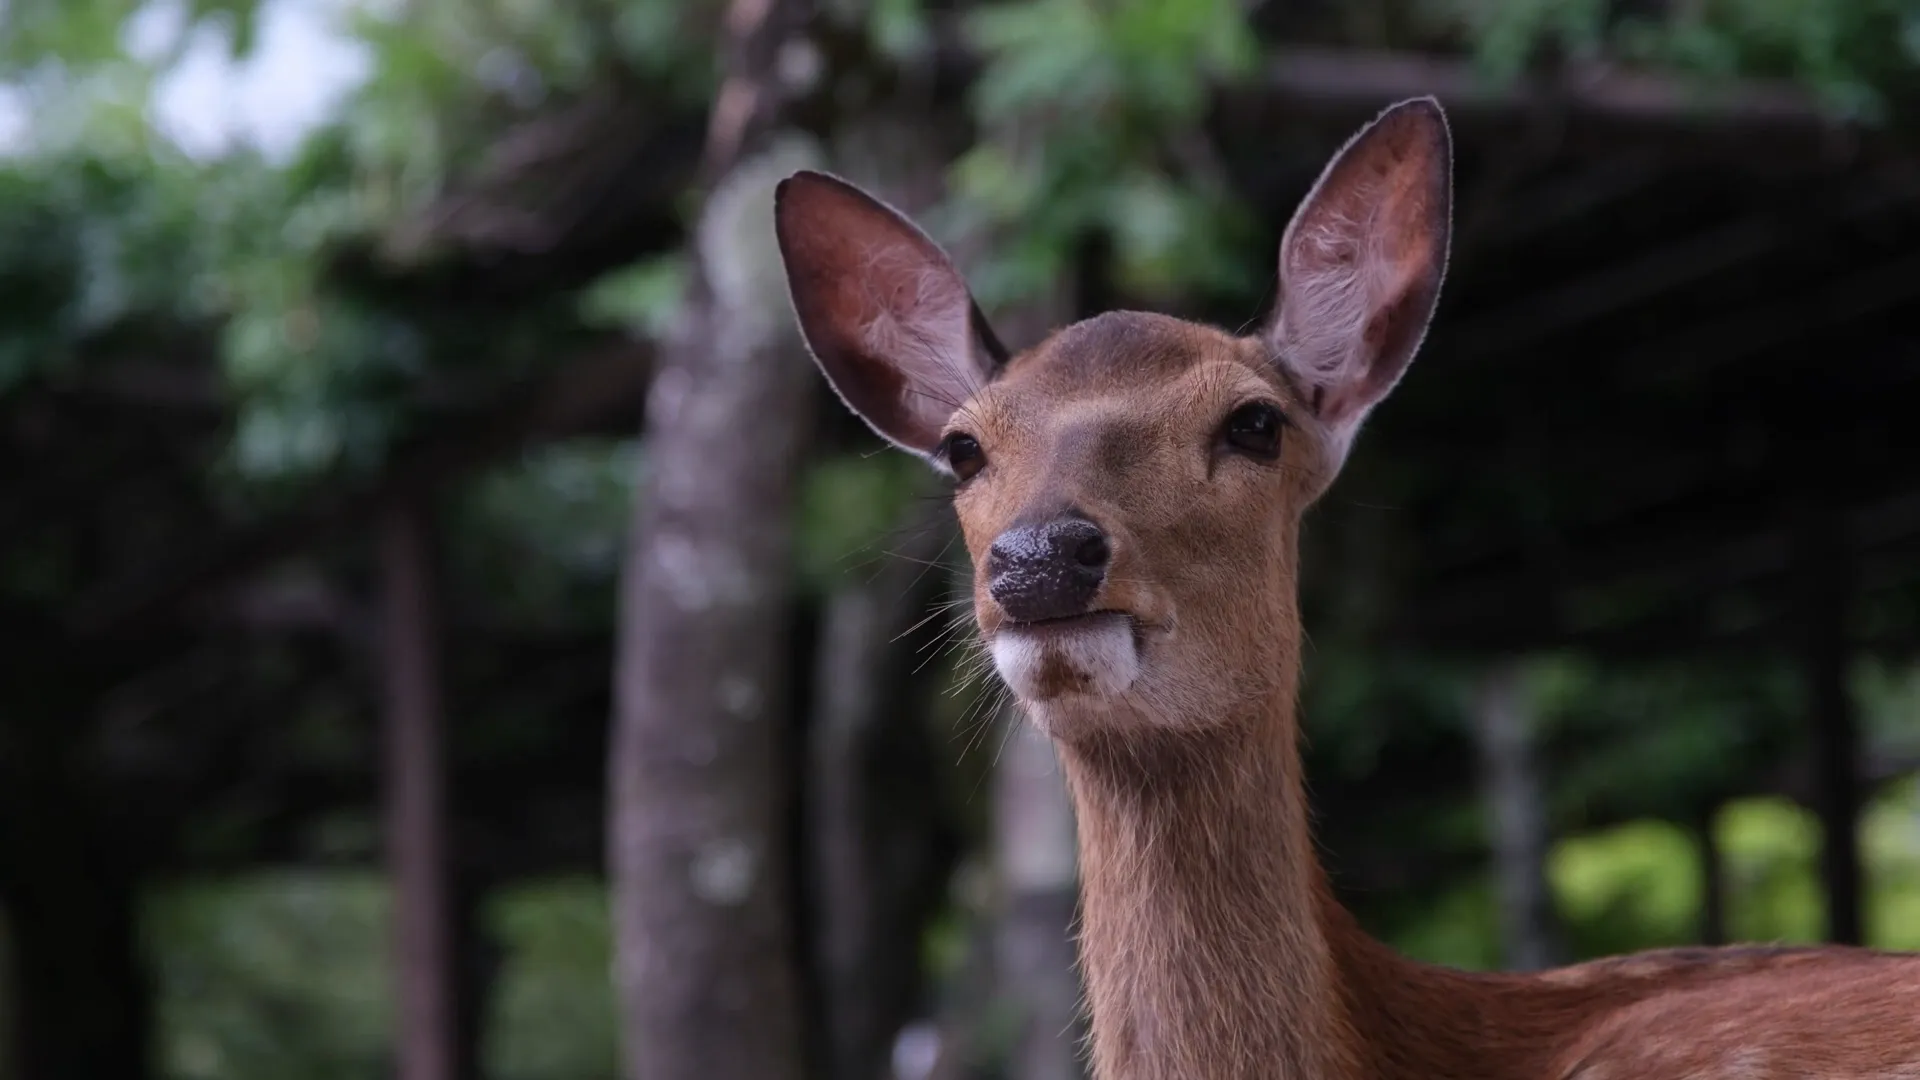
(1771, 848)
(1089, 114)
(850, 511)
(546, 533)
(553, 1015)
(1459, 928)
(280, 975)
(1632, 887)
(643, 298)
(1890, 847)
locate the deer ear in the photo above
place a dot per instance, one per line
(885, 313)
(1361, 265)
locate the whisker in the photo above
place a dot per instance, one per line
(904, 557)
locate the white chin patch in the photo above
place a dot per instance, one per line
(1093, 655)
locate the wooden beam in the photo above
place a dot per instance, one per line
(1527, 612)
(1771, 324)
(418, 860)
(1772, 124)
(1643, 642)
(514, 231)
(606, 382)
(1532, 320)
(1539, 208)
(1683, 566)
(1640, 469)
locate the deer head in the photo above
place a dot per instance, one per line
(1130, 488)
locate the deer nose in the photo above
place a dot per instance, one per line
(1048, 571)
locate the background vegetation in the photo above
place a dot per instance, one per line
(304, 239)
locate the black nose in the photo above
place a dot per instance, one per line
(1047, 571)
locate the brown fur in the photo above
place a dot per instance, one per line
(1212, 947)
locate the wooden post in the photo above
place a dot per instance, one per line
(416, 825)
(12, 1067)
(1510, 782)
(1825, 583)
(1713, 879)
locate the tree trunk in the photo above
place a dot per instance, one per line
(882, 849)
(705, 962)
(960, 1025)
(1034, 954)
(1035, 849)
(1510, 783)
(428, 1040)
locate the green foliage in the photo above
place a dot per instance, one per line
(1091, 113)
(898, 28)
(277, 975)
(74, 31)
(1639, 885)
(1772, 850)
(643, 298)
(1459, 928)
(1890, 846)
(1357, 701)
(449, 75)
(1633, 887)
(1848, 52)
(849, 516)
(553, 1015)
(1889, 699)
(323, 382)
(1851, 52)
(1667, 734)
(318, 375)
(285, 975)
(91, 243)
(1508, 33)
(548, 532)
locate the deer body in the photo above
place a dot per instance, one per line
(1130, 492)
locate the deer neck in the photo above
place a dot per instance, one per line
(1204, 939)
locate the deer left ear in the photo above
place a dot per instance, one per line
(1361, 266)
(887, 316)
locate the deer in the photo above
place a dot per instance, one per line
(1130, 492)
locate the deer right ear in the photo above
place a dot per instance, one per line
(1361, 266)
(886, 315)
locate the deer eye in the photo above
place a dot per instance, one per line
(963, 455)
(1254, 430)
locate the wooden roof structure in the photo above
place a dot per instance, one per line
(1672, 312)
(1638, 427)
